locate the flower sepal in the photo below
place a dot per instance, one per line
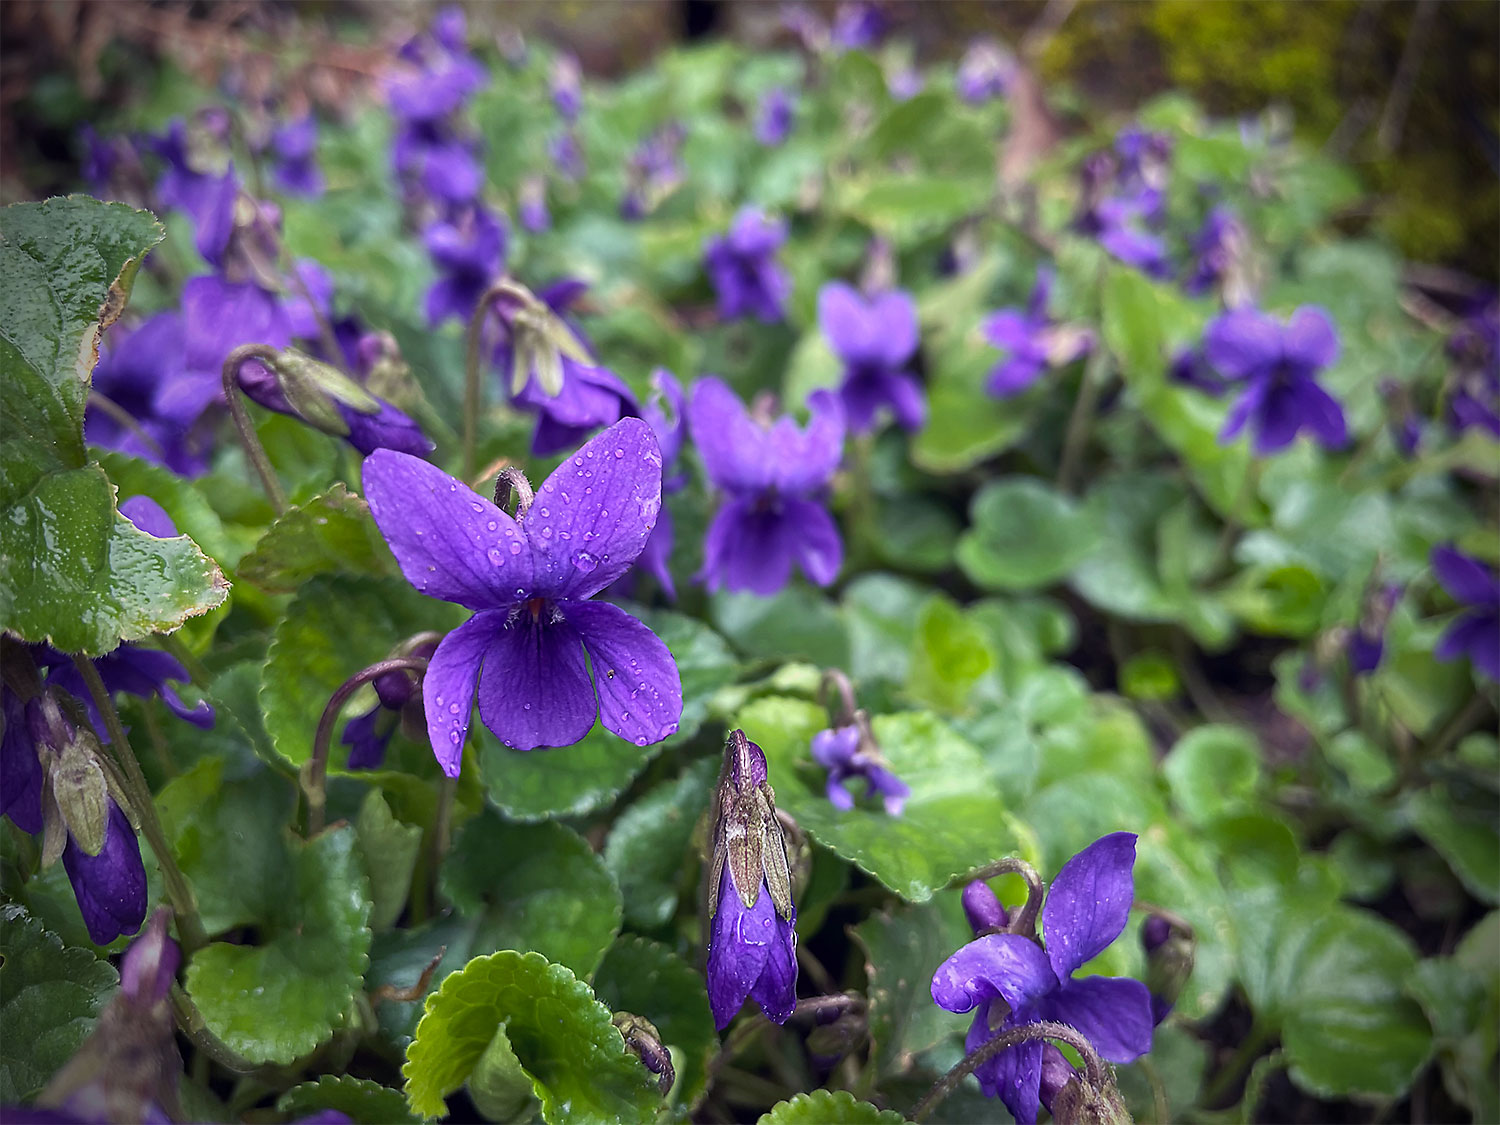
(746, 833)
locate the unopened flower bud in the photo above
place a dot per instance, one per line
(982, 908)
(1078, 1103)
(1169, 962)
(842, 1026)
(644, 1041)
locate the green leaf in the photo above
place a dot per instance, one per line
(363, 1100)
(1461, 996)
(966, 426)
(649, 980)
(703, 659)
(579, 1067)
(902, 950)
(797, 623)
(1465, 837)
(1212, 770)
(72, 570)
(533, 887)
(276, 1001)
(954, 819)
(389, 850)
(899, 206)
(179, 498)
(647, 843)
(914, 533)
(565, 781)
(951, 655)
(500, 1086)
(1025, 535)
(332, 533)
(828, 1107)
(50, 996)
(333, 628)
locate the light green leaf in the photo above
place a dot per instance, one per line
(1466, 837)
(562, 1035)
(954, 819)
(1025, 535)
(389, 850)
(951, 655)
(965, 426)
(50, 996)
(828, 1107)
(797, 623)
(363, 1100)
(332, 533)
(1212, 770)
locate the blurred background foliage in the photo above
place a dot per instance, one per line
(1408, 93)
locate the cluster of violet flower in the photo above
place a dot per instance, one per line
(56, 780)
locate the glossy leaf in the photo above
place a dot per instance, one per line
(647, 843)
(828, 1107)
(332, 533)
(362, 1100)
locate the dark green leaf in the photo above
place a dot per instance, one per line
(363, 1100)
(389, 850)
(50, 996)
(828, 1107)
(565, 781)
(579, 1067)
(648, 841)
(330, 534)
(1024, 535)
(533, 887)
(649, 980)
(796, 623)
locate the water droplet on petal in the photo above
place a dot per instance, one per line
(453, 708)
(526, 707)
(515, 547)
(585, 561)
(640, 740)
(619, 453)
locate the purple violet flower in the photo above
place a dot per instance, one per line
(773, 117)
(135, 366)
(1033, 341)
(206, 197)
(1475, 632)
(1475, 351)
(532, 208)
(469, 253)
(427, 95)
(657, 554)
(1086, 910)
(591, 396)
(751, 929)
(1278, 364)
(1366, 645)
(653, 171)
(985, 72)
(743, 268)
(367, 430)
(530, 579)
(773, 477)
(857, 26)
(839, 751)
(1217, 248)
(566, 155)
(904, 82)
(295, 145)
(398, 696)
(877, 341)
(1189, 368)
(1123, 235)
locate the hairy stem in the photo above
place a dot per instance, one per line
(179, 890)
(253, 448)
(1024, 922)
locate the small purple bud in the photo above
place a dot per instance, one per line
(982, 908)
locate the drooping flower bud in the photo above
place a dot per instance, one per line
(842, 1026)
(748, 888)
(1079, 1103)
(983, 908)
(1170, 952)
(644, 1041)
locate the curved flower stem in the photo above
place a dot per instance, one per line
(192, 1024)
(1081, 419)
(472, 363)
(1094, 1070)
(179, 890)
(1025, 921)
(514, 480)
(315, 773)
(836, 679)
(253, 449)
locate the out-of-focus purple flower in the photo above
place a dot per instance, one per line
(1475, 350)
(904, 82)
(985, 72)
(1278, 365)
(773, 478)
(206, 197)
(1366, 644)
(469, 253)
(450, 29)
(566, 155)
(1031, 339)
(1217, 248)
(846, 755)
(666, 413)
(744, 270)
(877, 342)
(565, 82)
(134, 366)
(102, 158)
(398, 702)
(773, 117)
(589, 395)
(530, 579)
(532, 208)
(1124, 193)
(1009, 981)
(810, 31)
(427, 92)
(1189, 368)
(751, 926)
(1144, 163)
(1122, 234)
(653, 171)
(295, 145)
(1475, 632)
(857, 26)
(1403, 423)
(135, 670)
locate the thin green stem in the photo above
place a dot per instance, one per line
(158, 743)
(1081, 420)
(1095, 1073)
(1236, 1069)
(253, 448)
(473, 364)
(315, 774)
(192, 1024)
(179, 890)
(442, 825)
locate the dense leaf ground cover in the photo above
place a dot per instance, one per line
(1092, 492)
